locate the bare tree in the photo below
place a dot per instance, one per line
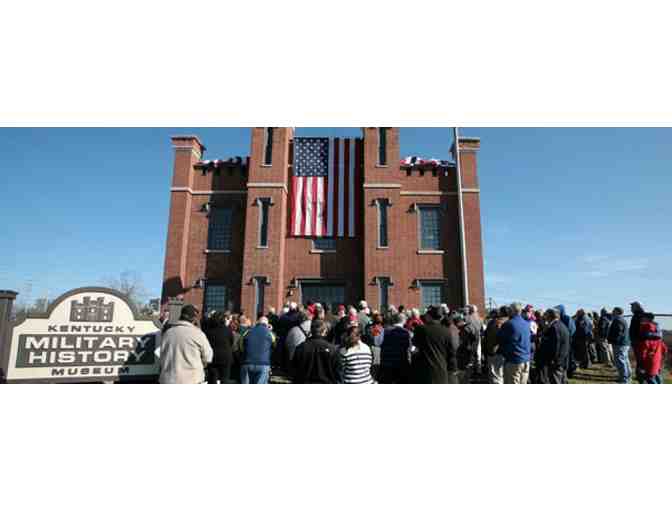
(130, 285)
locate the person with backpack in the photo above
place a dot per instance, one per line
(620, 341)
(604, 352)
(651, 350)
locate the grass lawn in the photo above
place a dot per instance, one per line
(601, 374)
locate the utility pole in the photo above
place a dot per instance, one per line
(460, 206)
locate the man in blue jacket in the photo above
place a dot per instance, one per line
(514, 339)
(618, 337)
(255, 367)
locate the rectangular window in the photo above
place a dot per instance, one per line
(324, 244)
(329, 294)
(264, 204)
(431, 293)
(219, 229)
(259, 294)
(382, 223)
(430, 228)
(268, 146)
(384, 291)
(382, 146)
(215, 298)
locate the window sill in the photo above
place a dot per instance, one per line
(430, 252)
(264, 165)
(262, 247)
(322, 251)
(378, 165)
(216, 251)
(382, 247)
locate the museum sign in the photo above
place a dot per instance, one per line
(88, 334)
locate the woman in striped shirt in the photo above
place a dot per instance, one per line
(356, 358)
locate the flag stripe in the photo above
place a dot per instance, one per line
(351, 190)
(346, 186)
(330, 191)
(359, 188)
(341, 189)
(337, 183)
(317, 216)
(292, 211)
(299, 206)
(308, 201)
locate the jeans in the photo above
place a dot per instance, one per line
(255, 374)
(496, 369)
(622, 362)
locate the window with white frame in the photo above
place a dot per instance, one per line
(220, 228)
(430, 227)
(215, 298)
(432, 293)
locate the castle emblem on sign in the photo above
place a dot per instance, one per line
(91, 311)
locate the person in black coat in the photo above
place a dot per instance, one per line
(635, 335)
(316, 361)
(583, 338)
(220, 337)
(553, 352)
(430, 362)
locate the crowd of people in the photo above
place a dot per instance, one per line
(314, 344)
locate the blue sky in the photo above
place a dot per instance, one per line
(573, 215)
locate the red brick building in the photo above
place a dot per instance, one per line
(228, 244)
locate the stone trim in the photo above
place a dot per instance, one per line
(438, 193)
(268, 185)
(382, 185)
(218, 192)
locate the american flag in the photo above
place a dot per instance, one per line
(326, 187)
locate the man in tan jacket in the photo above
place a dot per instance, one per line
(185, 351)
